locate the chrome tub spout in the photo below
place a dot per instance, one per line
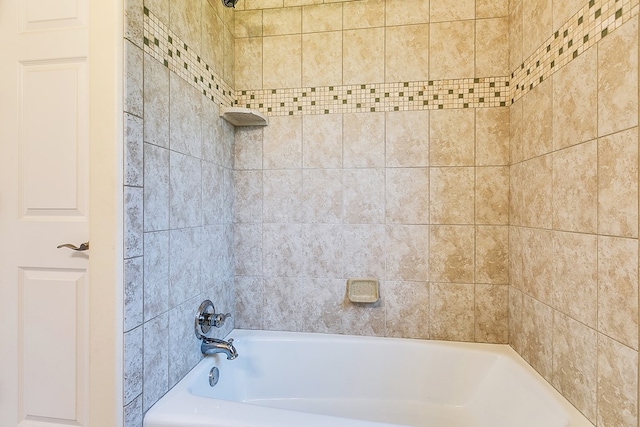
(214, 345)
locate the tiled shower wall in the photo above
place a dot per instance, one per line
(388, 155)
(178, 194)
(574, 206)
(393, 183)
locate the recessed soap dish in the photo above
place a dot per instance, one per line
(363, 290)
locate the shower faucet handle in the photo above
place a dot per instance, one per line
(219, 319)
(206, 317)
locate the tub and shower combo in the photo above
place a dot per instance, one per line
(287, 379)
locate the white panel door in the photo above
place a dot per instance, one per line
(44, 151)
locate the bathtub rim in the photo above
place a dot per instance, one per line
(181, 389)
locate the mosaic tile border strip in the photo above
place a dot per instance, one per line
(406, 96)
(595, 20)
(167, 48)
(589, 25)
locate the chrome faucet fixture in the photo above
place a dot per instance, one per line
(214, 345)
(207, 318)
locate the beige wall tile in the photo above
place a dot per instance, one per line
(401, 12)
(322, 17)
(451, 50)
(322, 304)
(492, 195)
(516, 125)
(248, 148)
(575, 363)
(364, 196)
(537, 263)
(516, 194)
(575, 188)
(322, 141)
(617, 384)
(282, 196)
(291, 3)
(248, 249)
(364, 250)
(322, 250)
(491, 8)
(407, 53)
(248, 23)
(282, 307)
(537, 24)
(182, 15)
(363, 14)
(492, 313)
(321, 58)
(618, 184)
(564, 10)
(575, 96)
(492, 136)
(575, 272)
(407, 309)
(618, 289)
(361, 53)
(282, 144)
(452, 10)
(407, 252)
(322, 195)
(364, 140)
(515, 320)
(618, 79)
(537, 129)
(452, 137)
(451, 256)
(282, 251)
(452, 311)
(515, 35)
(407, 139)
(492, 47)
(277, 22)
(452, 195)
(212, 38)
(492, 255)
(229, 59)
(407, 195)
(282, 61)
(249, 296)
(247, 205)
(537, 336)
(537, 194)
(363, 319)
(262, 4)
(248, 63)
(160, 8)
(516, 278)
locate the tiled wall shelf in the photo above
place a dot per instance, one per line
(240, 116)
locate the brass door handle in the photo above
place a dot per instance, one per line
(83, 247)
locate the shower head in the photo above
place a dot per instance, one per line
(229, 3)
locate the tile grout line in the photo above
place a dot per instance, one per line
(582, 31)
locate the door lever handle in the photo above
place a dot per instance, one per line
(83, 247)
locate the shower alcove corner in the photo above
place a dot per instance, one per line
(240, 116)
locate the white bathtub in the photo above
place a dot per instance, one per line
(283, 379)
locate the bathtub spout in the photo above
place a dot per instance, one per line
(214, 345)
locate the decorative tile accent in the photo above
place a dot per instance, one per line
(168, 49)
(595, 20)
(405, 96)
